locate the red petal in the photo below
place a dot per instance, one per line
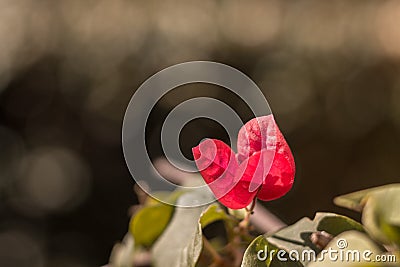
(267, 166)
(280, 177)
(241, 196)
(259, 165)
(263, 134)
(214, 158)
(251, 173)
(217, 164)
(259, 133)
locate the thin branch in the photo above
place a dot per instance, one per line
(217, 259)
(265, 221)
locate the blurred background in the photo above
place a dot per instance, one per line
(329, 69)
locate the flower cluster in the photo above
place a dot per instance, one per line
(263, 166)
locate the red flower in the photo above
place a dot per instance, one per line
(263, 167)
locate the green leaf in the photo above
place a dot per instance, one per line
(278, 263)
(216, 213)
(296, 239)
(381, 215)
(256, 252)
(356, 200)
(380, 211)
(212, 214)
(181, 243)
(351, 245)
(149, 222)
(336, 224)
(238, 214)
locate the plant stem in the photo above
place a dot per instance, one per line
(265, 221)
(244, 224)
(217, 259)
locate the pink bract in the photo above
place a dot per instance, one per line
(263, 167)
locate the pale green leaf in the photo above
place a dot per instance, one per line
(181, 243)
(348, 248)
(381, 215)
(356, 200)
(296, 239)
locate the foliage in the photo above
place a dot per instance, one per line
(173, 236)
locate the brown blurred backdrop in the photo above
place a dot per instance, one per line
(329, 69)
